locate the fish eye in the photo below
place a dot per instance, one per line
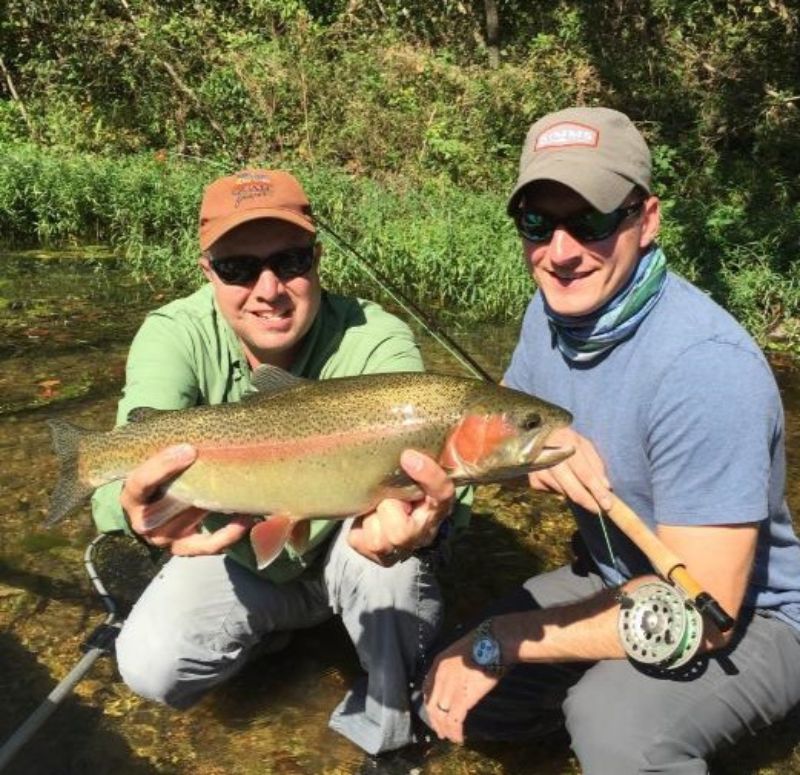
(531, 422)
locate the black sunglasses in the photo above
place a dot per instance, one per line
(591, 226)
(285, 265)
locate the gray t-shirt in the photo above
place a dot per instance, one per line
(688, 420)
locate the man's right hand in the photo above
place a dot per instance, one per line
(141, 502)
(581, 477)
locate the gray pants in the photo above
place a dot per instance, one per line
(623, 720)
(200, 619)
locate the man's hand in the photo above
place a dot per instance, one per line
(581, 477)
(396, 528)
(141, 501)
(453, 686)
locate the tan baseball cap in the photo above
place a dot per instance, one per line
(597, 152)
(249, 195)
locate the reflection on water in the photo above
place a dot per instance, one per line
(65, 326)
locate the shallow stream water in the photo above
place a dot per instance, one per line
(65, 325)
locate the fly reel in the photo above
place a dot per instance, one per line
(659, 626)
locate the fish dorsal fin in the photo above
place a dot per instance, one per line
(142, 413)
(271, 379)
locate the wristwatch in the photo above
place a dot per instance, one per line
(486, 650)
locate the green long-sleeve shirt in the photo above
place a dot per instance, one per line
(185, 354)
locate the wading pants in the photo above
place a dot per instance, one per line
(622, 720)
(200, 619)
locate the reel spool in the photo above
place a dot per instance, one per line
(659, 626)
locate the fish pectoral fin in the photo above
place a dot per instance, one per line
(269, 537)
(163, 510)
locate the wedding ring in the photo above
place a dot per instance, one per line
(444, 710)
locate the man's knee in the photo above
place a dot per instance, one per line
(604, 734)
(151, 671)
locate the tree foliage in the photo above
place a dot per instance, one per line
(406, 91)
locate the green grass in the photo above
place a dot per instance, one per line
(452, 250)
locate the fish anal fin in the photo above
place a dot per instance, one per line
(300, 535)
(269, 537)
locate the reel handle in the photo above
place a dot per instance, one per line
(667, 563)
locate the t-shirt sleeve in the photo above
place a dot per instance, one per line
(713, 422)
(159, 374)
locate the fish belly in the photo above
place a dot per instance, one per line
(350, 481)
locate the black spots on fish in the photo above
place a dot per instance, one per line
(69, 492)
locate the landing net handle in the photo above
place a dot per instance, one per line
(100, 642)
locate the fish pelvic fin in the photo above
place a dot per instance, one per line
(269, 537)
(70, 491)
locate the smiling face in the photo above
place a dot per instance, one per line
(577, 277)
(270, 317)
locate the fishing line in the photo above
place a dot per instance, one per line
(431, 326)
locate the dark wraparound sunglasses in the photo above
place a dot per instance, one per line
(591, 226)
(243, 270)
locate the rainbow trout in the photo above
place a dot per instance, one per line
(297, 449)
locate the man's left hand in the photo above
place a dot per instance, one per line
(396, 528)
(453, 686)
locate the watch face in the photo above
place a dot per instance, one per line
(486, 651)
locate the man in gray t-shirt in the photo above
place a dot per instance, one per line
(676, 413)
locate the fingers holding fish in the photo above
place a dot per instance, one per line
(195, 543)
(396, 528)
(439, 495)
(581, 477)
(385, 535)
(145, 507)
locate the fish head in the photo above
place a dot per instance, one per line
(504, 435)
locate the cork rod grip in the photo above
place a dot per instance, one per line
(666, 562)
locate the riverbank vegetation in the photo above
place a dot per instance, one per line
(404, 120)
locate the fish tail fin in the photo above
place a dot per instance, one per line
(269, 537)
(69, 492)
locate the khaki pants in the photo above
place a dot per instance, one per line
(201, 618)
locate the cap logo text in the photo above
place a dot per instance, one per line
(250, 185)
(567, 134)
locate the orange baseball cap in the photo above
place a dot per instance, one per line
(249, 195)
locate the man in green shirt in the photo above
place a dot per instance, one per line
(202, 617)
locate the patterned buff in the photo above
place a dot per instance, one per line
(582, 339)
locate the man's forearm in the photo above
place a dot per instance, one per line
(579, 632)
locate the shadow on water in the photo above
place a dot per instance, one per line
(65, 326)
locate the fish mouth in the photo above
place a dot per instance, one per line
(550, 456)
(538, 454)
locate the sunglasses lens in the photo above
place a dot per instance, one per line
(237, 270)
(292, 263)
(243, 270)
(594, 226)
(534, 227)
